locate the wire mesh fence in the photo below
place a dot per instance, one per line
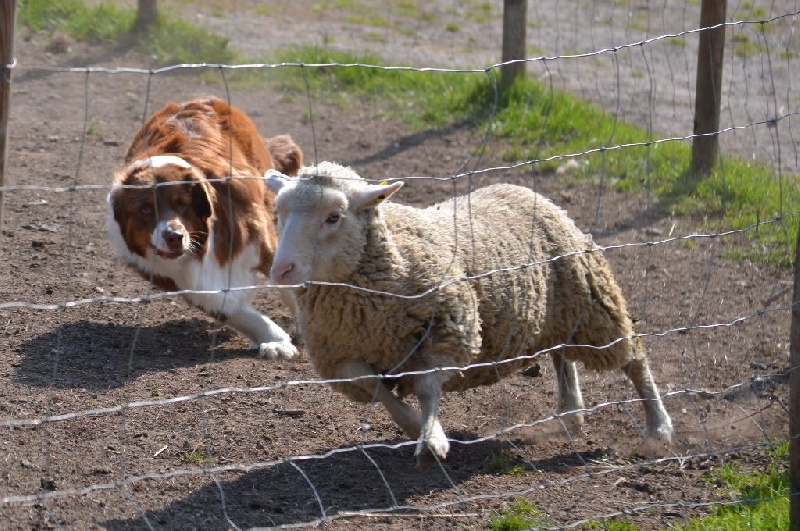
(125, 407)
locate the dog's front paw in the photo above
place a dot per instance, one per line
(277, 349)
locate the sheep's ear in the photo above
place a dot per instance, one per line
(372, 195)
(275, 180)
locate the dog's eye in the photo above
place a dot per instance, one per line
(146, 210)
(333, 218)
(181, 205)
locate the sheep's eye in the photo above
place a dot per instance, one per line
(333, 218)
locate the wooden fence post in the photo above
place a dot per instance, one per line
(514, 26)
(146, 15)
(8, 10)
(794, 399)
(708, 86)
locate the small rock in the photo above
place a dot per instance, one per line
(41, 227)
(534, 371)
(59, 43)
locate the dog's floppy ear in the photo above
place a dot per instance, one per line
(287, 157)
(201, 203)
(133, 175)
(201, 196)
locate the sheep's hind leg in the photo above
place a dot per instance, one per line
(659, 424)
(432, 440)
(569, 393)
(403, 415)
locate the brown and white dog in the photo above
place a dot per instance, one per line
(189, 211)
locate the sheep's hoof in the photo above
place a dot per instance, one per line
(425, 461)
(662, 433)
(277, 349)
(573, 424)
(430, 451)
(652, 448)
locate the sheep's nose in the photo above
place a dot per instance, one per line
(281, 272)
(173, 238)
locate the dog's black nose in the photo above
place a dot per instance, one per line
(173, 238)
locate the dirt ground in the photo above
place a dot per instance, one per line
(160, 418)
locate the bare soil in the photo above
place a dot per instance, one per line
(158, 417)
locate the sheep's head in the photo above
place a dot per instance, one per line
(322, 222)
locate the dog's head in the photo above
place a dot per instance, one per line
(162, 207)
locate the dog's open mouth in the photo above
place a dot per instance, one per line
(169, 255)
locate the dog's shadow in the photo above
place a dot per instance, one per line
(91, 355)
(306, 491)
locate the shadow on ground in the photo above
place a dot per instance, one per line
(308, 490)
(91, 355)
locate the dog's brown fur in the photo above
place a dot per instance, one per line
(189, 210)
(218, 141)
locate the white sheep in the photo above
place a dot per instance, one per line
(471, 280)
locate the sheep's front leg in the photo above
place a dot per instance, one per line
(432, 440)
(569, 392)
(402, 414)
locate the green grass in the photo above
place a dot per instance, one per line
(763, 495)
(749, 12)
(482, 13)
(759, 500)
(521, 515)
(546, 126)
(196, 457)
(744, 47)
(98, 24)
(93, 129)
(500, 463)
(169, 41)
